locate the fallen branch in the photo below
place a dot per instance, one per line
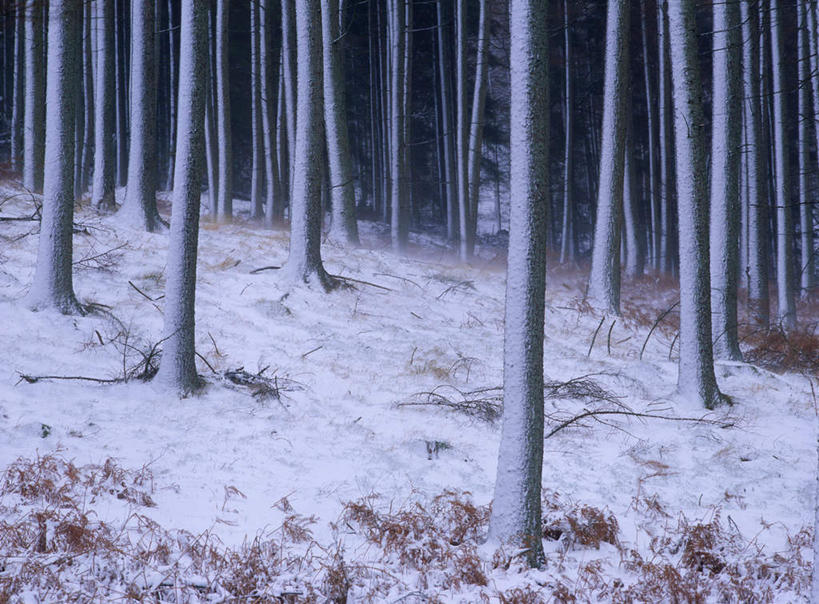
(351, 280)
(33, 379)
(585, 414)
(264, 268)
(594, 337)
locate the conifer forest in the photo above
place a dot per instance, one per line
(409, 301)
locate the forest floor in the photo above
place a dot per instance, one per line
(344, 446)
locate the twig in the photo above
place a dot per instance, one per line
(608, 340)
(309, 352)
(205, 361)
(264, 268)
(33, 379)
(594, 337)
(453, 287)
(585, 414)
(653, 327)
(351, 280)
(400, 278)
(152, 300)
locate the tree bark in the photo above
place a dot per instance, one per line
(516, 518)
(18, 109)
(223, 130)
(34, 114)
(450, 175)
(566, 245)
(398, 217)
(102, 192)
(477, 121)
(257, 132)
(461, 133)
(270, 54)
(177, 368)
(53, 282)
(696, 379)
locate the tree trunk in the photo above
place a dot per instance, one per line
(34, 114)
(515, 516)
(566, 247)
(121, 73)
(450, 176)
(604, 280)
(476, 124)
(177, 368)
(344, 226)
(696, 379)
(139, 207)
(726, 142)
(18, 109)
(270, 54)
(289, 56)
(88, 54)
(756, 188)
(52, 286)
(304, 262)
(257, 144)
(651, 119)
(806, 262)
(223, 130)
(102, 193)
(635, 258)
(461, 133)
(172, 87)
(786, 308)
(398, 217)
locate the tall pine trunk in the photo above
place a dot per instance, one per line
(34, 113)
(476, 123)
(223, 130)
(102, 192)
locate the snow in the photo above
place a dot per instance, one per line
(357, 353)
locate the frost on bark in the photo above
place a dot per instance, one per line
(516, 516)
(399, 226)
(696, 368)
(726, 141)
(86, 158)
(566, 243)
(476, 123)
(177, 367)
(257, 145)
(288, 81)
(786, 307)
(139, 207)
(269, 57)
(756, 198)
(223, 132)
(344, 226)
(604, 279)
(211, 148)
(806, 262)
(53, 286)
(445, 85)
(461, 133)
(19, 86)
(304, 262)
(34, 114)
(102, 192)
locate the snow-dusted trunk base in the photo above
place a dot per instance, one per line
(139, 208)
(696, 369)
(177, 368)
(516, 517)
(105, 159)
(304, 262)
(726, 150)
(344, 226)
(53, 286)
(604, 279)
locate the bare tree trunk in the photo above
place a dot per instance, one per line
(102, 193)
(726, 142)
(172, 86)
(211, 148)
(34, 115)
(786, 308)
(87, 159)
(666, 136)
(139, 207)
(344, 226)
(805, 219)
(304, 262)
(177, 368)
(604, 279)
(223, 130)
(289, 56)
(270, 55)
(651, 119)
(461, 133)
(516, 519)
(18, 109)
(256, 130)
(53, 284)
(566, 246)
(696, 379)
(445, 80)
(398, 216)
(121, 92)
(635, 258)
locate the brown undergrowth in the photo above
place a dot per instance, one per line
(54, 547)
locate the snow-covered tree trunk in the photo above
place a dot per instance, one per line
(566, 244)
(223, 130)
(399, 227)
(604, 279)
(34, 113)
(172, 86)
(756, 198)
(515, 516)
(19, 86)
(269, 57)
(53, 286)
(651, 118)
(289, 68)
(635, 257)
(805, 213)
(211, 148)
(139, 207)
(462, 133)
(177, 367)
(666, 138)
(256, 130)
(786, 307)
(304, 262)
(726, 152)
(477, 121)
(696, 368)
(121, 92)
(344, 226)
(102, 192)
(445, 85)
(88, 55)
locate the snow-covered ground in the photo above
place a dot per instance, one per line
(223, 461)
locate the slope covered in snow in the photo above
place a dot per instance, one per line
(235, 465)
